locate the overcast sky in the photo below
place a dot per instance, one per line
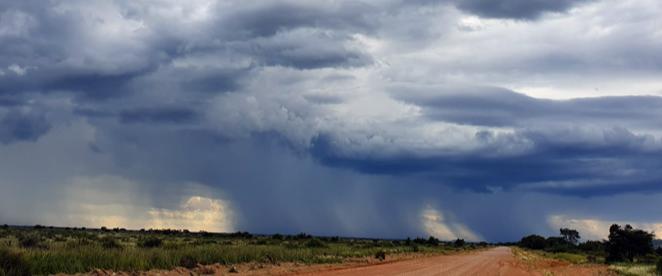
(484, 120)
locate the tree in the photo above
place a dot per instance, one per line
(628, 243)
(558, 244)
(533, 242)
(570, 235)
(433, 241)
(592, 246)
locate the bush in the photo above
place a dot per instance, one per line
(433, 241)
(533, 242)
(592, 246)
(380, 255)
(110, 243)
(658, 267)
(188, 262)
(315, 243)
(151, 242)
(459, 243)
(302, 236)
(12, 263)
(29, 241)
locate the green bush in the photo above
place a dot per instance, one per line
(150, 242)
(188, 261)
(533, 242)
(29, 241)
(110, 243)
(658, 267)
(380, 255)
(315, 243)
(12, 263)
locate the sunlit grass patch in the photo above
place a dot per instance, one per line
(633, 269)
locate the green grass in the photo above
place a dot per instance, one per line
(48, 251)
(632, 269)
(575, 258)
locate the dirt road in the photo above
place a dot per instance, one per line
(495, 261)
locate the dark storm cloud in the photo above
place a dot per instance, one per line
(208, 80)
(305, 55)
(575, 147)
(510, 9)
(18, 126)
(173, 115)
(10, 100)
(556, 162)
(515, 9)
(491, 106)
(263, 19)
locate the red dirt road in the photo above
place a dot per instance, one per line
(495, 261)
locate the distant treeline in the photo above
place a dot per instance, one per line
(624, 244)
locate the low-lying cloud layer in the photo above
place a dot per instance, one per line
(374, 118)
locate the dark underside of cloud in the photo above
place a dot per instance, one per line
(575, 147)
(508, 9)
(22, 126)
(515, 9)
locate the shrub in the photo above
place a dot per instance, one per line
(459, 243)
(315, 243)
(433, 241)
(533, 242)
(302, 236)
(12, 263)
(658, 267)
(380, 255)
(592, 246)
(29, 241)
(151, 242)
(110, 243)
(188, 261)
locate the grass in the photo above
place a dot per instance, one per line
(624, 268)
(26, 250)
(632, 269)
(574, 258)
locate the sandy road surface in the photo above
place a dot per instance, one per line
(495, 261)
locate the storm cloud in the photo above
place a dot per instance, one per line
(516, 9)
(362, 118)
